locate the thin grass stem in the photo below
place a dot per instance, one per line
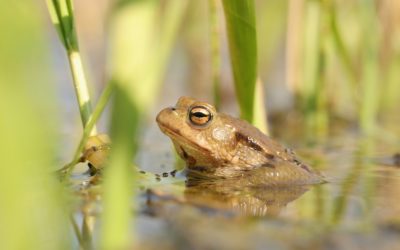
(61, 13)
(101, 104)
(81, 88)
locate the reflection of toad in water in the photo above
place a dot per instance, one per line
(240, 195)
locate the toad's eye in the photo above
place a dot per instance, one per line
(200, 116)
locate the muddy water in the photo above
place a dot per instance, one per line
(358, 208)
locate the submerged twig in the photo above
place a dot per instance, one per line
(76, 230)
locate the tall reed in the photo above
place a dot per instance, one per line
(242, 38)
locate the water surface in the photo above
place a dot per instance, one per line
(358, 208)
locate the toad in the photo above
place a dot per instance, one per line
(220, 145)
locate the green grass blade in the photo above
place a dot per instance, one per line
(119, 174)
(241, 29)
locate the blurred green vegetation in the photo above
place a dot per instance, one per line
(137, 66)
(340, 60)
(33, 212)
(342, 46)
(215, 47)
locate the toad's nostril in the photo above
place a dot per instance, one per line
(173, 108)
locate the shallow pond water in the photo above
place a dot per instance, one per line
(358, 208)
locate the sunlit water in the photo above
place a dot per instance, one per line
(358, 208)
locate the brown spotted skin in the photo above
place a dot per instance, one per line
(229, 147)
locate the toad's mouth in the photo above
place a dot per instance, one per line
(176, 136)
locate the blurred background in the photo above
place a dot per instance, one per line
(312, 73)
(320, 62)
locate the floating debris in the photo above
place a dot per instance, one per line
(173, 173)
